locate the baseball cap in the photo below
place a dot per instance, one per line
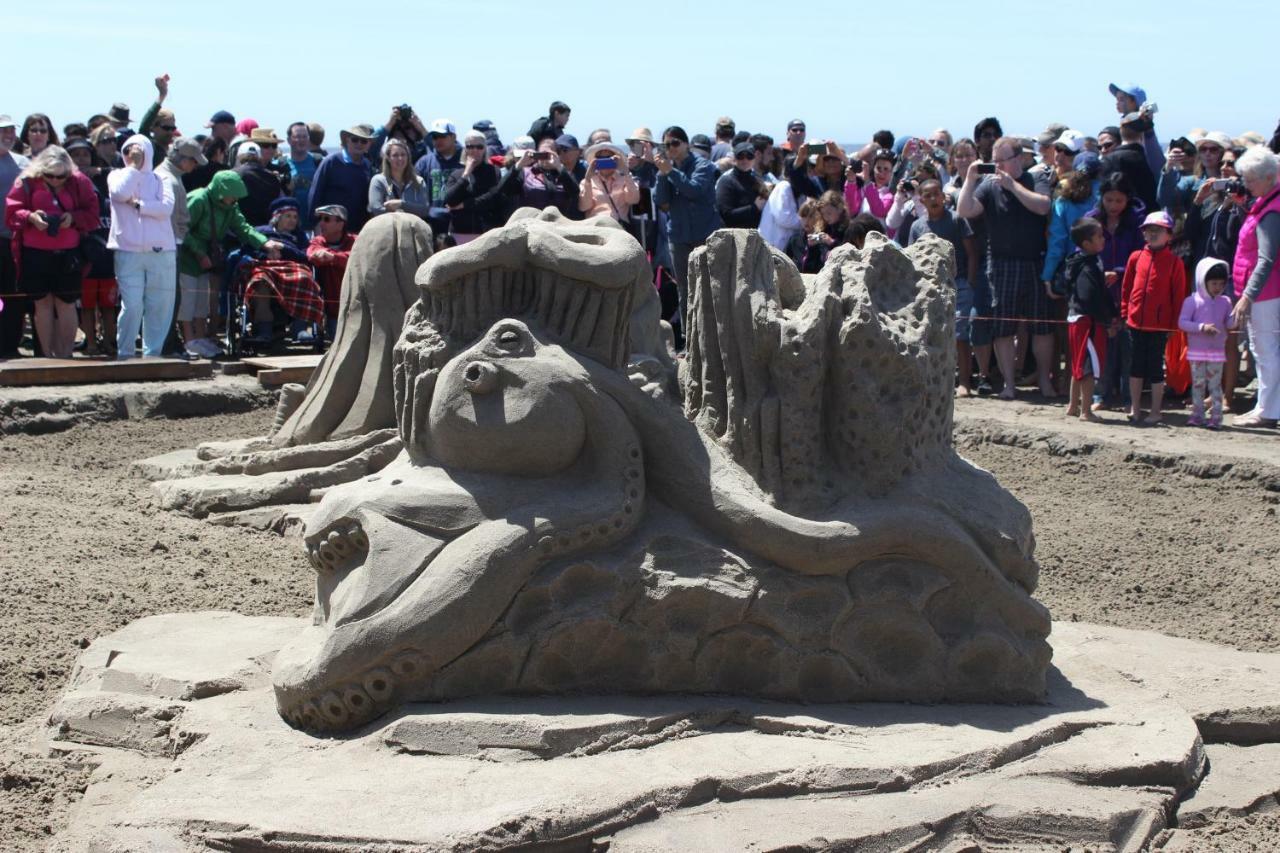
(187, 147)
(220, 117)
(724, 121)
(6, 121)
(1051, 134)
(566, 140)
(441, 127)
(1160, 218)
(1070, 140)
(523, 143)
(700, 140)
(285, 202)
(795, 124)
(1088, 162)
(249, 149)
(77, 142)
(1133, 90)
(744, 148)
(332, 210)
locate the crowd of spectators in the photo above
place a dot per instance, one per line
(1076, 253)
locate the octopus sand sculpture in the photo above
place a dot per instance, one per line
(559, 510)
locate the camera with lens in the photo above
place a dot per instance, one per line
(908, 186)
(405, 111)
(1236, 187)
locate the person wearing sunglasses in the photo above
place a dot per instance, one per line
(1014, 211)
(1108, 139)
(472, 196)
(740, 193)
(985, 134)
(343, 177)
(48, 209)
(607, 187)
(159, 123)
(36, 135)
(329, 252)
(540, 180)
(686, 190)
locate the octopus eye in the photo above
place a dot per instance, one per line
(509, 339)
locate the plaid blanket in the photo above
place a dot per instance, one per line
(291, 284)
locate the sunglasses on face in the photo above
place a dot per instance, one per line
(673, 143)
(795, 130)
(474, 147)
(62, 176)
(168, 127)
(358, 141)
(746, 155)
(327, 217)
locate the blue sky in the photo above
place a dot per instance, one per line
(846, 70)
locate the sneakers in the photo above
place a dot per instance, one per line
(204, 348)
(1214, 424)
(1195, 420)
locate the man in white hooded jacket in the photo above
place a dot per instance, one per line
(142, 237)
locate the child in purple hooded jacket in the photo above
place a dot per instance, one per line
(1206, 318)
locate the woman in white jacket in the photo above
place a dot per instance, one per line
(142, 237)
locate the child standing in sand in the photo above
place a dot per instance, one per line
(1206, 318)
(1091, 315)
(1150, 297)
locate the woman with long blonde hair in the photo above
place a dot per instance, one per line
(398, 188)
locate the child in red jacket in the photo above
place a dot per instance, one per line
(1150, 300)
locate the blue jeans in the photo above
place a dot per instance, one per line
(147, 282)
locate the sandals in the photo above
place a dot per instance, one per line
(1254, 421)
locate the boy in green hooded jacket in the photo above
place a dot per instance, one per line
(214, 214)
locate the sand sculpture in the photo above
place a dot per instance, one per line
(559, 510)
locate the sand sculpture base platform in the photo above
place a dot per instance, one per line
(177, 715)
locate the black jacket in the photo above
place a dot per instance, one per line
(1087, 289)
(555, 188)
(811, 257)
(736, 194)
(483, 206)
(544, 128)
(1130, 159)
(264, 187)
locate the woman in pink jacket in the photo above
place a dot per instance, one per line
(49, 208)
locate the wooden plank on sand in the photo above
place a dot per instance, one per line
(79, 371)
(275, 370)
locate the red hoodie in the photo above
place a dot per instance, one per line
(1154, 286)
